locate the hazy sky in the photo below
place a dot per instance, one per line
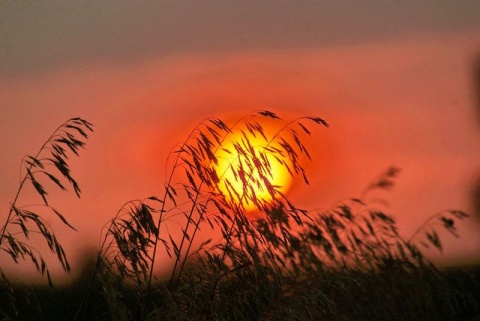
(394, 80)
(43, 35)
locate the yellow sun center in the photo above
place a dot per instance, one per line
(251, 170)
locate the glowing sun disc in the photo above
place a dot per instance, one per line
(230, 172)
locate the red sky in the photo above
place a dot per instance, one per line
(406, 100)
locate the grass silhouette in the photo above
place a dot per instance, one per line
(286, 263)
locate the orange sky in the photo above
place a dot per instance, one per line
(407, 101)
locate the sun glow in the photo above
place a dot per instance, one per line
(251, 170)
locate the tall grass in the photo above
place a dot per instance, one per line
(284, 262)
(26, 221)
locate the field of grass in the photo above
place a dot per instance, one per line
(390, 294)
(348, 262)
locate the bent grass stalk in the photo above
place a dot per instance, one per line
(202, 154)
(220, 141)
(57, 145)
(261, 164)
(21, 222)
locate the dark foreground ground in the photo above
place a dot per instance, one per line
(454, 294)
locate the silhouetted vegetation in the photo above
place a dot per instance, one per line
(348, 262)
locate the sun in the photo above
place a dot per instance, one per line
(251, 170)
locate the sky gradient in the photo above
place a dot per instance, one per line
(395, 82)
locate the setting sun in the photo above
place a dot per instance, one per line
(251, 170)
